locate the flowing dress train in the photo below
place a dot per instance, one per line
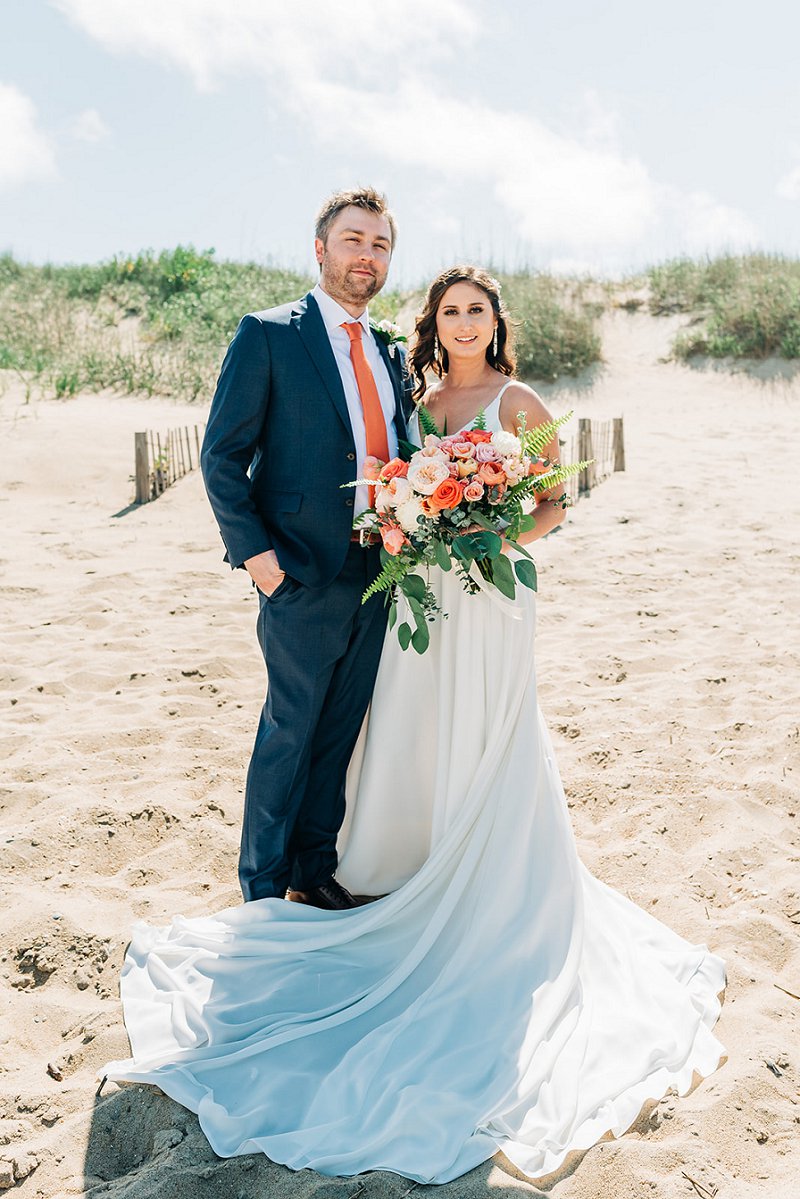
(497, 997)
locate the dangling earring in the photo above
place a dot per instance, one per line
(436, 349)
(494, 343)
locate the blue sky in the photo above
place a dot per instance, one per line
(570, 136)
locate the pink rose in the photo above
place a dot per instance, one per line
(484, 452)
(393, 539)
(473, 491)
(462, 449)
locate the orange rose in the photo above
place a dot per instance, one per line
(538, 466)
(447, 495)
(476, 436)
(394, 469)
(491, 474)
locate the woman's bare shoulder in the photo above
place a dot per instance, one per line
(519, 397)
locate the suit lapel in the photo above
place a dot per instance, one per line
(394, 367)
(307, 320)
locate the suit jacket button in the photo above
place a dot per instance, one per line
(349, 502)
(351, 457)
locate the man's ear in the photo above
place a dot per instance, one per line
(319, 249)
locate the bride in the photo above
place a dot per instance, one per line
(497, 996)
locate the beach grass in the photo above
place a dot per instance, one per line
(158, 324)
(745, 307)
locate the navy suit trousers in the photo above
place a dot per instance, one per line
(322, 647)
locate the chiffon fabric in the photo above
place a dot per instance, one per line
(497, 997)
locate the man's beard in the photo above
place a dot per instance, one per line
(354, 288)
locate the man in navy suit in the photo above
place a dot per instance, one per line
(290, 423)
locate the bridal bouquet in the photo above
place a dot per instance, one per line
(450, 503)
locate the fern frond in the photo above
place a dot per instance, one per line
(534, 440)
(558, 474)
(480, 420)
(426, 422)
(392, 573)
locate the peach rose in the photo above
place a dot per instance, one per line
(473, 491)
(390, 494)
(393, 539)
(372, 467)
(447, 495)
(395, 468)
(492, 474)
(462, 449)
(467, 467)
(425, 474)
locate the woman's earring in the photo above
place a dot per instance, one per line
(494, 342)
(436, 346)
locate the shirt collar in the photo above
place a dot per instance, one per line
(334, 315)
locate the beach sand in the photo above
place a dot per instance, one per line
(669, 673)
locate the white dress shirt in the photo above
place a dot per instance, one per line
(334, 317)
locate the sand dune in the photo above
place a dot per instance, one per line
(668, 671)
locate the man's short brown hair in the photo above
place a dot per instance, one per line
(358, 197)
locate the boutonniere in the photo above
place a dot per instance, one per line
(389, 333)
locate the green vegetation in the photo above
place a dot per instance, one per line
(555, 325)
(746, 307)
(159, 323)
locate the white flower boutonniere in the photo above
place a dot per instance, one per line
(390, 334)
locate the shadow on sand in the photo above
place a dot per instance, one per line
(143, 1145)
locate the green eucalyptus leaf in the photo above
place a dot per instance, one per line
(486, 544)
(442, 556)
(526, 573)
(413, 586)
(421, 639)
(463, 549)
(392, 614)
(404, 635)
(503, 576)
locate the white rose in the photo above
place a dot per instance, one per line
(408, 513)
(506, 443)
(425, 474)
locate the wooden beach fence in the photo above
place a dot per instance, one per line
(160, 463)
(601, 440)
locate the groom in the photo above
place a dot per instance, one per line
(305, 393)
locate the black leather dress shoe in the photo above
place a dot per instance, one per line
(331, 896)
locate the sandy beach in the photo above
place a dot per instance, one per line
(669, 674)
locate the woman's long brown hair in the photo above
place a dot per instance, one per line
(423, 355)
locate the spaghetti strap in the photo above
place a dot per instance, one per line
(502, 391)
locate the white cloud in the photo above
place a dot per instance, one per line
(89, 126)
(570, 197)
(25, 151)
(789, 186)
(293, 42)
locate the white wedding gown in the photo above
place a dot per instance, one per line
(498, 997)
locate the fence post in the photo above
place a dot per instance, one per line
(584, 454)
(142, 468)
(619, 444)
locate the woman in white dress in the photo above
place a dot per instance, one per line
(498, 996)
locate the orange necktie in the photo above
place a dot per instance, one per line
(374, 422)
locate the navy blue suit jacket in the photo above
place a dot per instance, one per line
(279, 444)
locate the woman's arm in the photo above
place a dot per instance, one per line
(548, 513)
